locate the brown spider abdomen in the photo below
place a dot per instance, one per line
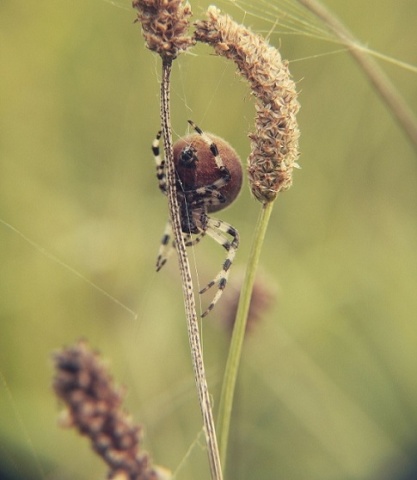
(202, 171)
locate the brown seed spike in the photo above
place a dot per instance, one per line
(275, 140)
(164, 25)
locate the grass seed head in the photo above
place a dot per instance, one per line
(274, 143)
(164, 26)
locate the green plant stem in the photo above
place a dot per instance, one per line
(236, 344)
(387, 91)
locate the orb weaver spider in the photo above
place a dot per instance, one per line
(208, 179)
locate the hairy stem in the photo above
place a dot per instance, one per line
(187, 285)
(236, 344)
(387, 91)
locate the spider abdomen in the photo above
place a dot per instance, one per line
(196, 168)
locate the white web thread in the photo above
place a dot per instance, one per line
(292, 19)
(67, 267)
(23, 429)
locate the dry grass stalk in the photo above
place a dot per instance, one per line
(164, 25)
(275, 140)
(83, 383)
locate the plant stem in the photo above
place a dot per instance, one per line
(387, 91)
(187, 285)
(232, 364)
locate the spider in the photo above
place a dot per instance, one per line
(208, 179)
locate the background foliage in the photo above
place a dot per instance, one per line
(328, 387)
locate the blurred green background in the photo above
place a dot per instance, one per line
(328, 386)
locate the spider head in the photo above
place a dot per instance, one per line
(188, 157)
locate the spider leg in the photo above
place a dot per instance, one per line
(166, 248)
(168, 244)
(224, 172)
(217, 229)
(205, 197)
(160, 163)
(189, 241)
